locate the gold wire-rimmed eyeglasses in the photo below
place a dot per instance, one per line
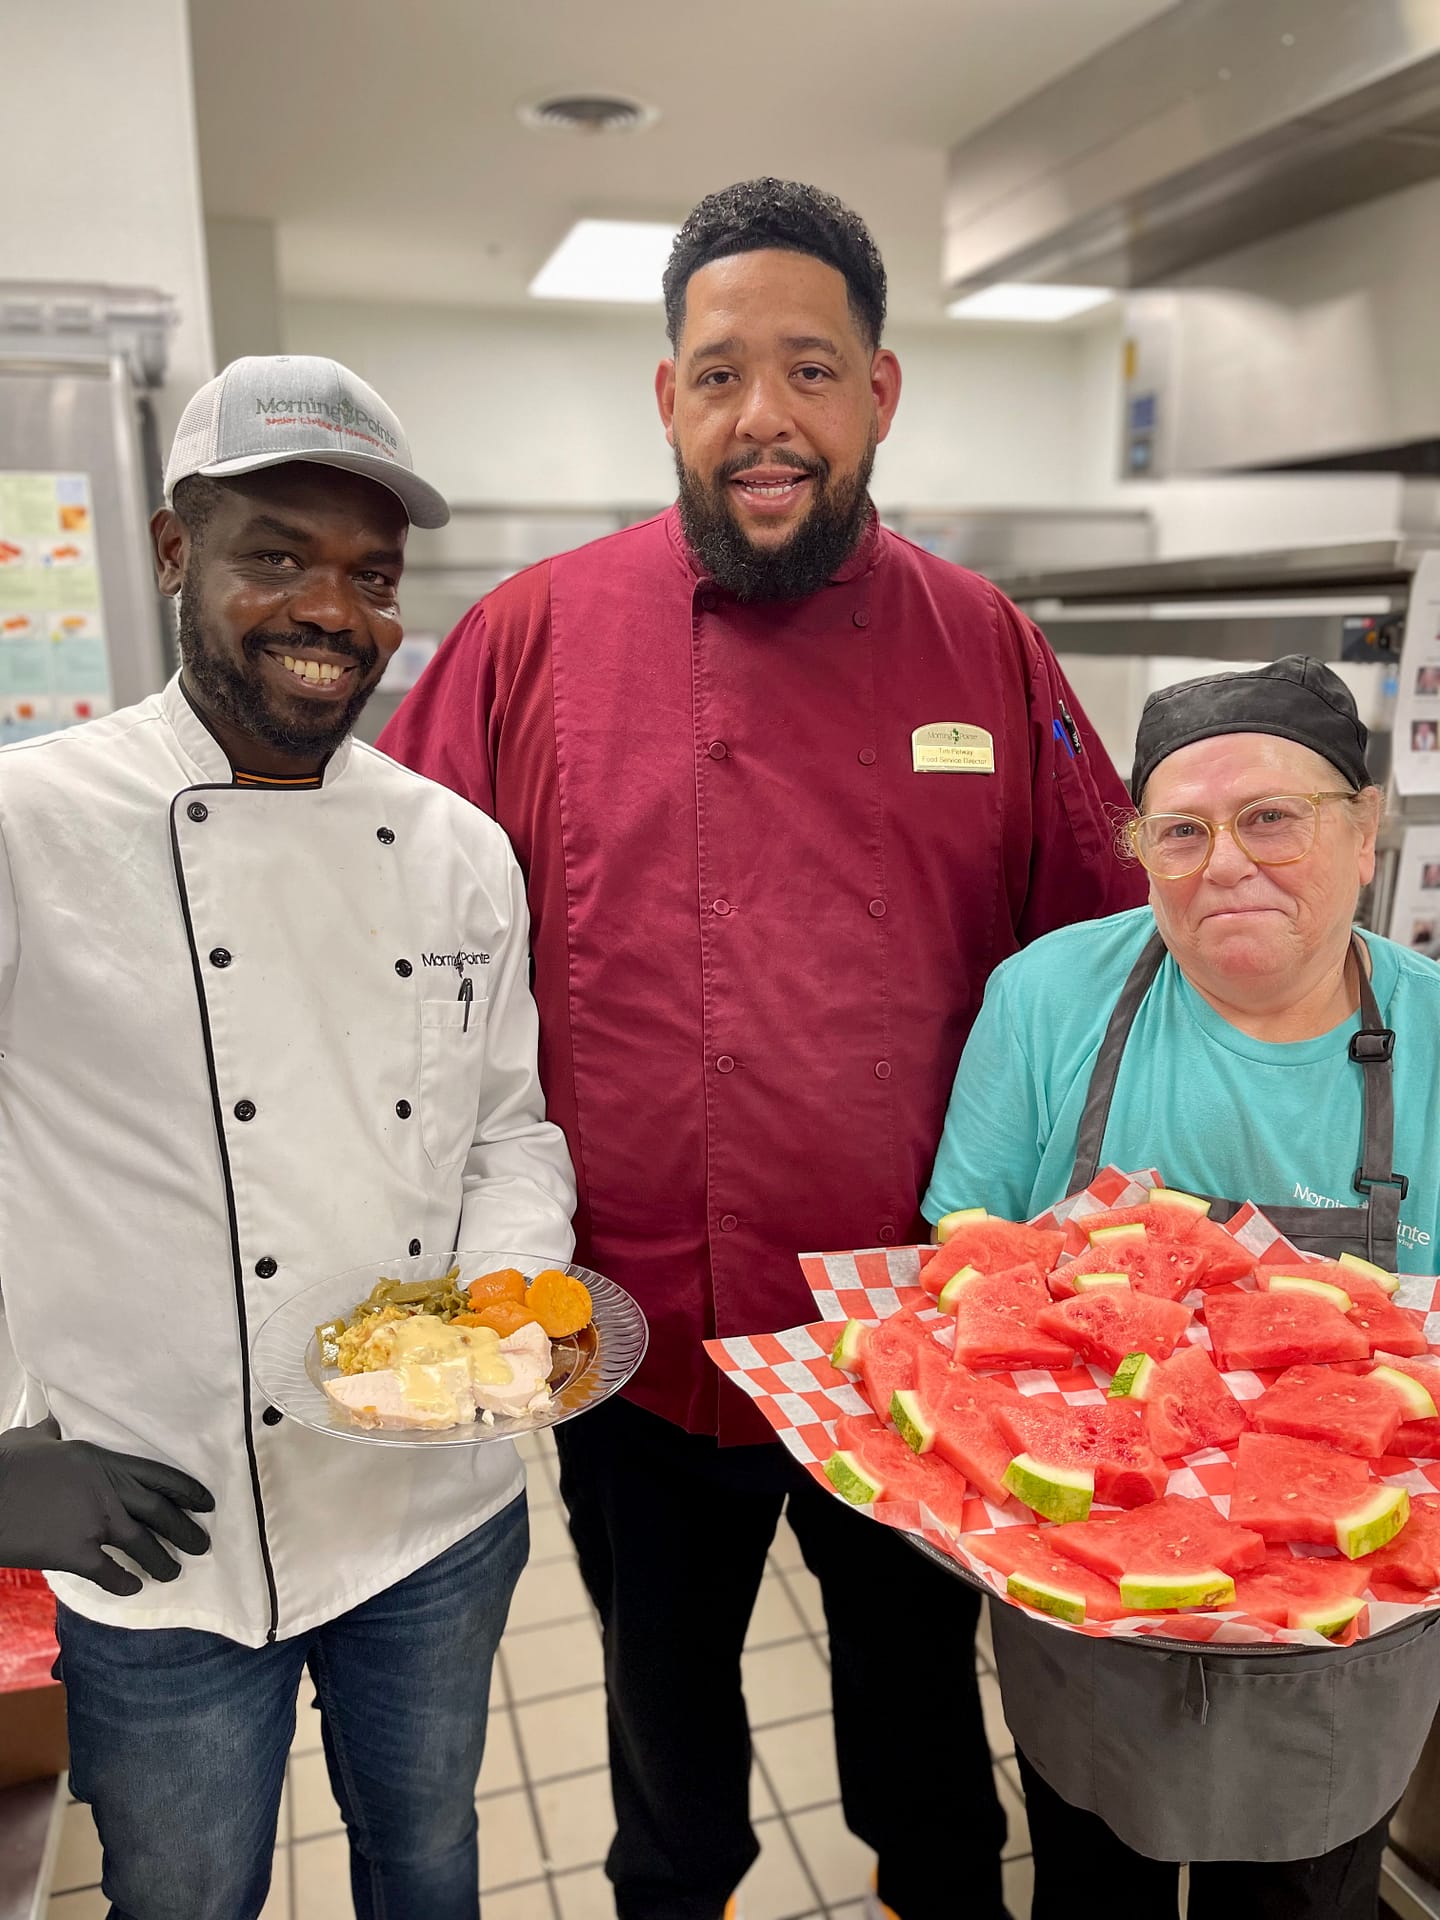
(1273, 833)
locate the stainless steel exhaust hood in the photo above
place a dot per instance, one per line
(1220, 123)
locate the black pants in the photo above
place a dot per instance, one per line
(1082, 1867)
(672, 1533)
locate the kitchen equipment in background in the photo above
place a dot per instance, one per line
(1037, 539)
(1215, 125)
(1123, 632)
(447, 570)
(81, 624)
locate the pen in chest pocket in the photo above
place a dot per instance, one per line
(467, 994)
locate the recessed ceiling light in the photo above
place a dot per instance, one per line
(1027, 300)
(588, 113)
(607, 260)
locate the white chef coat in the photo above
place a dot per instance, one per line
(233, 1060)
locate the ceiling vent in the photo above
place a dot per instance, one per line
(588, 113)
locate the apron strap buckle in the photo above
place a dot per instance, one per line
(1363, 1182)
(1372, 1048)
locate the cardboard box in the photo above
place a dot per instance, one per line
(32, 1734)
(32, 1705)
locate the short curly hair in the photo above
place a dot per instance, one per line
(195, 499)
(755, 214)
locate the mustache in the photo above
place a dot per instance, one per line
(298, 638)
(782, 457)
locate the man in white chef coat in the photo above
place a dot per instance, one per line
(264, 1016)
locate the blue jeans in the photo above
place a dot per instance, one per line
(178, 1740)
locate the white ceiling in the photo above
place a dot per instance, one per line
(381, 137)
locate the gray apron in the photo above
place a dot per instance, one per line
(1237, 1753)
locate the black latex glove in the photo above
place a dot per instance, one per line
(63, 1501)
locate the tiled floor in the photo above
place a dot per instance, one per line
(545, 1818)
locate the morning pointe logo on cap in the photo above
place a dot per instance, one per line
(343, 413)
(267, 410)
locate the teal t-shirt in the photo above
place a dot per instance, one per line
(1214, 1110)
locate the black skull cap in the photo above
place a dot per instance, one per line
(1295, 698)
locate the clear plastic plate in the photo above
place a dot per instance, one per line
(587, 1367)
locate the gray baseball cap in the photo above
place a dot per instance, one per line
(265, 410)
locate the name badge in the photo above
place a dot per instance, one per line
(945, 746)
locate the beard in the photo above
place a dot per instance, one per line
(796, 567)
(240, 695)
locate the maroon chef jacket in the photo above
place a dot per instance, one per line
(760, 936)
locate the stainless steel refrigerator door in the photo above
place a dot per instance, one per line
(79, 416)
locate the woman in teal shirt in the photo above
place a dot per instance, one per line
(1238, 1035)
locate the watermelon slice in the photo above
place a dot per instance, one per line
(1412, 1558)
(1187, 1404)
(1166, 1268)
(996, 1322)
(1168, 1223)
(887, 1357)
(1108, 1440)
(894, 1471)
(1249, 1330)
(1348, 1272)
(1289, 1489)
(1419, 1436)
(959, 1408)
(1110, 1322)
(993, 1246)
(845, 1354)
(1224, 1257)
(1056, 1493)
(949, 1224)
(1357, 1413)
(1382, 1276)
(1292, 1590)
(1417, 1440)
(1175, 1543)
(1042, 1578)
(1387, 1327)
(1187, 1202)
(1374, 1523)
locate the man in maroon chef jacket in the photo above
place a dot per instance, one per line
(786, 789)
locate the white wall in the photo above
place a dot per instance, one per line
(558, 409)
(103, 178)
(244, 288)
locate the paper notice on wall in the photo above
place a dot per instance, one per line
(1417, 709)
(1415, 913)
(54, 660)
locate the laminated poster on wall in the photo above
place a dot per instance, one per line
(1417, 709)
(1415, 914)
(54, 660)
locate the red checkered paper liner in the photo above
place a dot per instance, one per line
(27, 1631)
(789, 1377)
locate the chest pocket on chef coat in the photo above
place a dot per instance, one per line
(452, 1059)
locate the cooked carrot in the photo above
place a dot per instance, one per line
(506, 1284)
(561, 1304)
(505, 1317)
